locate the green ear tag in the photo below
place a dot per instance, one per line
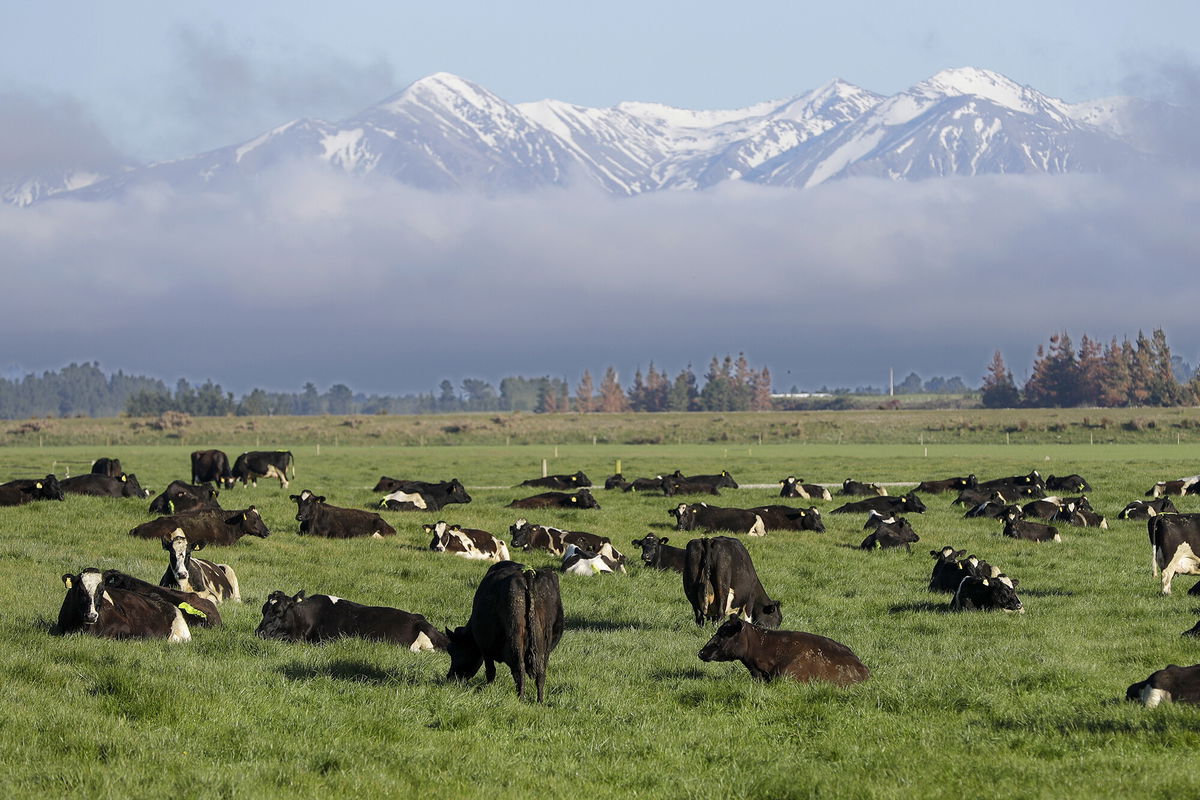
(188, 608)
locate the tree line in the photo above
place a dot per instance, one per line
(1121, 373)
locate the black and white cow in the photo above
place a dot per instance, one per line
(576, 561)
(255, 464)
(656, 484)
(678, 483)
(1015, 528)
(1145, 509)
(466, 542)
(791, 486)
(424, 496)
(788, 518)
(1081, 517)
(210, 527)
(1033, 479)
(528, 536)
(658, 554)
(216, 582)
(987, 594)
(324, 617)
(1067, 483)
(702, 516)
(575, 481)
(212, 466)
(1174, 545)
(196, 610)
(947, 484)
(890, 533)
(1179, 486)
(995, 508)
(887, 506)
(103, 486)
(93, 608)
(719, 579)
(1170, 685)
(317, 518)
(855, 488)
(771, 654)
(516, 619)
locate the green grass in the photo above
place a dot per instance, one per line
(958, 705)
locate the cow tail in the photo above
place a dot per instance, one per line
(530, 654)
(292, 464)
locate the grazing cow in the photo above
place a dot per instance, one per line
(323, 617)
(92, 607)
(423, 496)
(987, 594)
(1180, 486)
(107, 466)
(581, 499)
(948, 569)
(555, 540)
(1174, 544)
(855, 488)
(255, 464)
(210, 527)
(702, 516)
(103, 486)
(1015, 528)
(893, 532)
(658, 554)
(1171, 685)
(516, 619)
(212, 466)
(180, 497)
(948, 485)
(196, 610)
(1067, 483)
(719, 579)
(884, 505)
(1145, 509)
(576, 481)
(216, 582)
(466, 542)
(787, 518)
(771, 654)
(318, 519)
(576, 561)
(791, 486)
(24, 490)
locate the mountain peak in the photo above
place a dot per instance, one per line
(989, 85)
(441, 89)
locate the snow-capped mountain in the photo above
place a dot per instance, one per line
(446, 133)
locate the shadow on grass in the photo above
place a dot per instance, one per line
(572, 623)
(925, 606)
(342, 670)
(1046, 593)
(690, 674)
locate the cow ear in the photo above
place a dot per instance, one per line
(124, 479)
(298, 597)
(166, 543)
(985, 582)
(294, 497)
(320, 498)
(574, 499)
(663, 540)
(37, 485)
(196, 546)
(68, 580)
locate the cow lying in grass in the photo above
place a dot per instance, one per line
(772, 654)
(323, 617)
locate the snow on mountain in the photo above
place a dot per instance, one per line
(446, 133)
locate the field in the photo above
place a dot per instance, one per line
(958, 704)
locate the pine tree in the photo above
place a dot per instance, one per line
(1164, 388)
(1054, 381)
(657, 389)
(585, 402)
(612, 398)
(761, 391)
(637, 392)
(1091, 371)
(1141, 371)
(1114, 375)
(999, 390)
(684, 395)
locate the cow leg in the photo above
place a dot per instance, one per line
(518, 672)
(236, 594)
(489, 669)
(1184, 561)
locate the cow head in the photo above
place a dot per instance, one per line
(85, 594)
(948, 555)
(810, 519)
(457, 492)
(651, 546)
(48, 488)
(519, 531)
(275, 615)
(913, 503)
(729, 642)
(130, 486)
(250, 523)
(465, 655)
(726, 479)
(583, 499)
(969, 482)
(179, 550)
(768, 614)
(441, 536)
(306, 503)
(685, 517)
(1002, 593)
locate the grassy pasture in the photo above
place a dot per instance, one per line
(958, 705)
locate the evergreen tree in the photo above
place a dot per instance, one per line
(1141, 371)
(999, 390)
(1091, 371)
(760, 396)
(585, 401)
(1054, 381)
(612, 398)
(684, 396)
(1164, 388)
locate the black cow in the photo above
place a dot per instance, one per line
(516, 619)
(655, 484)
(91, 607)
(255, 464)
(719, 579)
(787, 518)
(212, 466)
(1145, 509)
(1005, 494)
(615, 481)
(1180, 486)
(855, 488)
(1030, 531)
(196, 610)
(791, 486)
(1045, 508)
(215, 582)
(323, 617)
(180, 497)
(887, 506)
(1067, 483)
(995, 508)
(318, 519)
(947, 484)
(1171, 685)
(770, 654)
(987, 594)
(948, 569)
(678, 483)
(25, 490)
(107, 466)
(581, 499)
(423, 496)
(1174, 543)
(658, 554)
(103, 486)
(702, 516)
(1033, 479)
(576, 481)
(894, 532)
(210, 527)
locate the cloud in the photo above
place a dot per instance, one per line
(49, 133)
(312, 275)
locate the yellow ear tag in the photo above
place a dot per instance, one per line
(188, 608)
(574, 499)
(38, 485)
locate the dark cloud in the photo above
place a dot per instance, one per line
(41, 133)
(311, 275)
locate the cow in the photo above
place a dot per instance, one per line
(93, 608)
(107, 466)
(702, 516)
(678, 483)
(771, 654)
(212, 466)
(1030, 531)
(1045, 508)
(575, 481)
(948, 569)
(1006, 494)
(1033, 479)
(791, 486)
(423, 496)
(787, 518)
(895, 532)
(987, 594)
(324, 617)
(576, 561)
(1180, 486)
(196, 610)
(103, 486)
(1174, 544)
(516, 619)
(884, 505)
(1144, 509)
(855, 488)
(180, 497)
(1067, 483)
(615, 481)
(658, 554)
(466, 542)
(215, 582)
(655, 484)
(581, 499)
(947, 484)
(210, 527)
(255, 464)
(555, 540)
(25, 490)
(316, 518)
(1081, 517)
(995, 508)
(1172, 685)
(719, 579)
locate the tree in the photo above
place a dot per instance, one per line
(1054, 381)
(1115, 379)
(760, 399)
(1141, 370)
(1091, 371)
(999, 390)
(910, 385)
(447, 399)
(612, 398)
(684, 395)
(1164, 388)
(480, 395)
(339, 399)
(585, 402)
